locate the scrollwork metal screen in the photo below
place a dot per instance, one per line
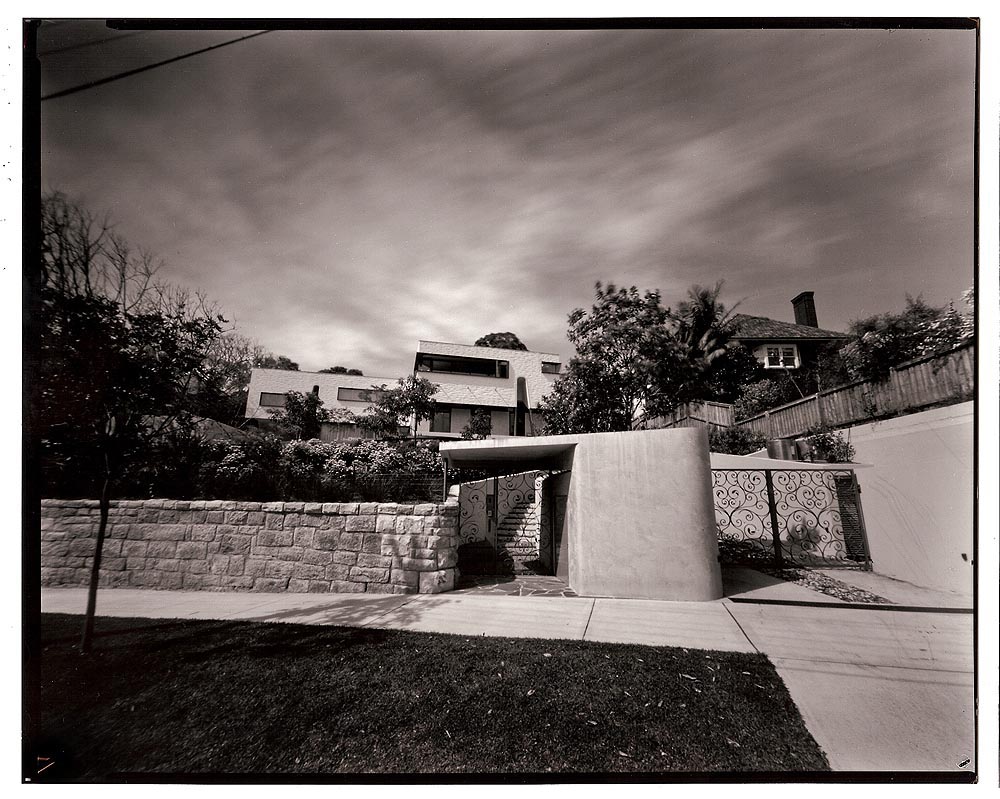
(789, 517)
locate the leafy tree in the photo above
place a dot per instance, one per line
(630, 366)
(119, 357)
(883, 341)
(480, 425)
(340, 370)
(302, 416)
(761, 396)
(222, 394)
(271, 361)
(411, 400)
(503, 341)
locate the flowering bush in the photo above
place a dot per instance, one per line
(829, 446)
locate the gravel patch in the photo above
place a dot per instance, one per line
(826, 585)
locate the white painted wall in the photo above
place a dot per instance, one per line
(281, 381)
(918, 496)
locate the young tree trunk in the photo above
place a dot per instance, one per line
(95, 571)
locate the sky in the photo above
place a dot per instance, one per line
(342, 195)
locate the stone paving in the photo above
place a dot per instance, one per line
(517, 585)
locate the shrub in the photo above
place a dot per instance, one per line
(734, 440)
(829, 446)
(762, 396)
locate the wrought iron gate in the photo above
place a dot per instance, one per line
(499, 524)
(793, 517)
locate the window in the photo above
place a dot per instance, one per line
(359, 394)
(484, 367)
(270, 400)
(441, 421)
(550, 368)
(786, 357)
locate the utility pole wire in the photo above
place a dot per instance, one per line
(120, 75)
(70, 47)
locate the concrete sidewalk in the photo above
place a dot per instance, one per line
(878, 689)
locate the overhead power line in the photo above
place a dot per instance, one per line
(70, 47)
(120, 75)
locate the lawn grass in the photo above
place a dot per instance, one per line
(218, 697)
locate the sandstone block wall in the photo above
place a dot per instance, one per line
(373, 547)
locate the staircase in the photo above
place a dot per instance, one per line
(517, 539)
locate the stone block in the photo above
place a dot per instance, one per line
(369, 575)
(195, 566)
(55, 549)
(368, 508)
(273, 507)
(215, 517)
(274, 568)
(238, 582)
(419, 564)
(294, 507)
(112, 548)
(135, 564)
(255, 518)
(390, 508)
(346, 587)
(317, 557)
(166, 532)
(113, 564)
(326, 539)
(404, 510)
(202, 532)
(236, 517)
(308, 571)
(380, 561)
(269, 584)
(319, 587)
(380, 588)
(360, 524)
(254, 567)
(403, 577)
(82, 547)
(423, 554)
(161, 549)
(345, 558)
(447, 559)
(194, 582)
(274, 521)
(218, 564)
(331, 507)
(274, 538)
(307, 520)
(409, 525)
(332, 522)
(348, 508)
(303, 536)
(116, 579)
(191, 549)
(168, 517)
(313, 507)
(395, 545)
(338, 571)
(350, 542)
(424, 509)
(234, 544)
(372, 543)
(435, 582)
(385, 524)
(289, 553)
(298, 586)
(165, 564)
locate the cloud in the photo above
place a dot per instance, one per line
(343, 194)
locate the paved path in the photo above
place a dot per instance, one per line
(878, 689)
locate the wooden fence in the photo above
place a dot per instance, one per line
(696, 414)
(932, 380)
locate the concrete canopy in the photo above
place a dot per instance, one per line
(639, 516)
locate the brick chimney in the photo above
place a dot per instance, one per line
(805, 309)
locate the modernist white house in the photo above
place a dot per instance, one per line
(507, 383)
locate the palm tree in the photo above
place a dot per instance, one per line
(703, 324)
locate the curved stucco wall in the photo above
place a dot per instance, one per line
(640, 516)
